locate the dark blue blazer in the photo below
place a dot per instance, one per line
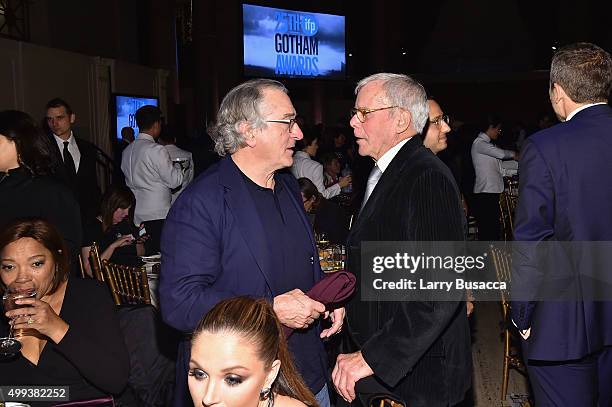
(214, 247)
(565, 196)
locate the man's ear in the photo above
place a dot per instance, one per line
(404, 121)
(558, 93)
(247, 131)
(72, 118)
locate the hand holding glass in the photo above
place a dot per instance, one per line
(18, 289)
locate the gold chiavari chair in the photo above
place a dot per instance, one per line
(507, 205)
(96, 262)
(82, 267)
(502, 262)
(385, 401)
(128, 285)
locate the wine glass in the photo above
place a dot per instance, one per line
(18, 289)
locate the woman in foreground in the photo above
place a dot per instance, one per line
(239, 357)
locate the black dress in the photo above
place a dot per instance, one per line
(122, 255)
(23, 195)
(91, 359)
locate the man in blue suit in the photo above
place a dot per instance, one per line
(241, 229)
(566, 196)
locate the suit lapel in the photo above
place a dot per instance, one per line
(299, 205)
(386, 183)
(241, 205)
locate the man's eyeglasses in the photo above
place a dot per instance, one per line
(290, 122)
(438, 120)
(361, 112)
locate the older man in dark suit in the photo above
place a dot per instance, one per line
(241, 229)
(77, 155)
(565, 195)
(418, 350)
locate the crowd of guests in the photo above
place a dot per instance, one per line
(239, 254)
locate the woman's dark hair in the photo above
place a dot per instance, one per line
(34, 149)
(113, 199)
(255, 321)
(308, 188)
(327, 159)
(47, 235)
(309, 137)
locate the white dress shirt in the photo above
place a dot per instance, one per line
(384, 161)
(581, 108)
(73, 149)
(487, 160)
(150, 174)
(304, 166)
(177, 153)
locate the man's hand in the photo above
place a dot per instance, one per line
(469, 305)
(296, 310)
(337, 318)
(349, 369)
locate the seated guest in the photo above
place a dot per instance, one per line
(26, 187)
(305, 166)
(239, 356)
(326, 216)
(72, 335)
(113, 230)
(332, 169)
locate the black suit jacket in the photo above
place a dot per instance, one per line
(419, 350)
(85, 186)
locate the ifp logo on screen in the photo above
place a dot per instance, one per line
(296, 23)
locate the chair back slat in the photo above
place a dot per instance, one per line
(502, 261)
(96, 262)
(128, 285)
(81, 266)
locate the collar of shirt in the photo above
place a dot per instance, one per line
(581, 108)
(252, 185)
(387, 157)
(145, 136)
(301, 154)
(60, 141)
(484, 137)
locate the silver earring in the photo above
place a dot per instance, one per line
(264, 394)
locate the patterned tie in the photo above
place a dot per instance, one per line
(375, 175)
(68, 161)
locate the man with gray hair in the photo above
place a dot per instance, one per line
(419, 351)
(240, 229)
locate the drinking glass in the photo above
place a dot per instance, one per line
(18, 289)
